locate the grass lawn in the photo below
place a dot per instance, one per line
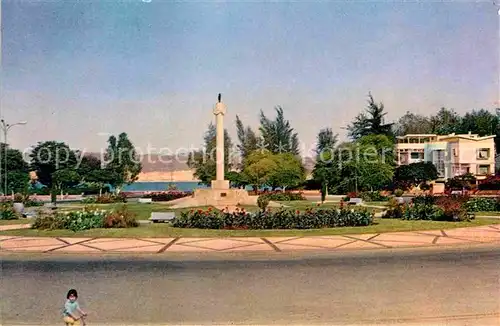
(19, 221)
(377, 203)
(164, 230)
(487, 213)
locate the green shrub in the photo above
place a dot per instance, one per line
(121, 217)
(422, 212)
(444, 208)
(398, 192)
(19, 198)
(425, 200)
(373, 196)
(280, 219)
(481, 205)
(394, 209)
(263, 202)
(106, 198)
(284, 196)
(453, 207)
(89, 200)
(45, 221)
(25, 199)
(7, 212)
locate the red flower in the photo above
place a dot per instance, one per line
(298, 212)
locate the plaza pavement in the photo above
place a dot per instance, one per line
(489, 234)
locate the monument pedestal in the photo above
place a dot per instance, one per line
(218, 197)
(220, 184)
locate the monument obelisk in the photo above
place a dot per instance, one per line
(219, 195)
(219, 112)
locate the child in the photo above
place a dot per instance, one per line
(71, 308)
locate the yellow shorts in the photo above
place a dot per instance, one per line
(70, 321)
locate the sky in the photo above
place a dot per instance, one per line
(78, 71)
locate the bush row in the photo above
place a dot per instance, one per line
(106, 198)
(167, 195)
(452, 208)
(87, 218)
(281, 219)
(21, 198)
(280, 195)
(71, 191)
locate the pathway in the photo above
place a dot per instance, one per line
(458, 236)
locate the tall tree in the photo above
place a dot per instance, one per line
(445, 122)
(415, 173)
(277, 135)
(481, 122)
(17, 170)
(288, 171)
(65, 178)
(204, 161)
(370, 122)
(326, 171)
(247, 138)
(122, 161)
(411, 123)
(48, 157)
(363, 164)
(88, 165)
(258, 168)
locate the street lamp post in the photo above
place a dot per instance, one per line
(6, 127)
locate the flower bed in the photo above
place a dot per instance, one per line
(167, 195)
(87, 218)
(105, 199)
(281, 219)
(433, 208)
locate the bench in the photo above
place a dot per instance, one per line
(31, 214)
(145, 200)
(471, 215)
(162, 216)
(355, 201)
(403, 200)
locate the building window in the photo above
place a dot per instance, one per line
(438, 160)
(483, 170)
(455, 152)
(417, 156)
(483, 153)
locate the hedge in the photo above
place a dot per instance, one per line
(281, 219)
(167, 195)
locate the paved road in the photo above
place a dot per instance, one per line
(427, 287)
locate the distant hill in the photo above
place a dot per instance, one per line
(164, 163)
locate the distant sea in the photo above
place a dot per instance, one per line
(163, 186)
